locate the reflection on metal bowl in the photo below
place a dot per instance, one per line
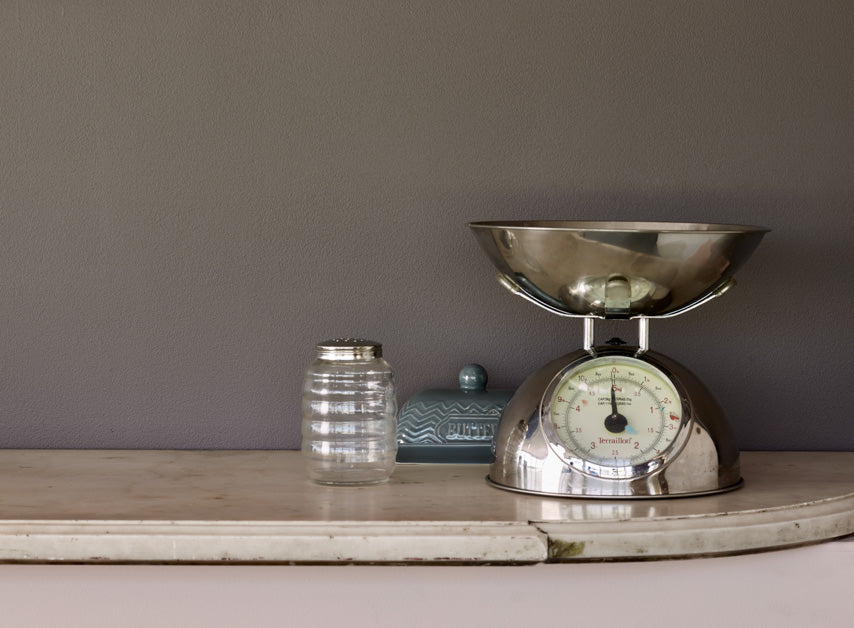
(617, 269)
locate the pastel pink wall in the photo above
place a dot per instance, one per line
(799, 587)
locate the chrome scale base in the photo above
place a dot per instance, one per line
(525, 460)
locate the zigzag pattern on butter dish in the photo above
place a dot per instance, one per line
(418, 423)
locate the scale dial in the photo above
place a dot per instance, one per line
(614, 416)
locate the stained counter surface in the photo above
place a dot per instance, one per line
(258, 506)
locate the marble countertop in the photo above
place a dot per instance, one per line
(259, 507)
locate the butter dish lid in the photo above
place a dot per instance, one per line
(452, 425)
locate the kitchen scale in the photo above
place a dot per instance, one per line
(612, 420)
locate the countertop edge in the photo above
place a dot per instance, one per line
(714, 535)
(271, 542)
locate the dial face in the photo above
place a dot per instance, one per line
(613, 416)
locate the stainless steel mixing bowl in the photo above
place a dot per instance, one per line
(617, 269)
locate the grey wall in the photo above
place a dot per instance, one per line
(193, 193)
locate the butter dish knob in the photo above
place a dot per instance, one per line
(473, 377)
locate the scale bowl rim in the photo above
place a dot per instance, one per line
(619, 226)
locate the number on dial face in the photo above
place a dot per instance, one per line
(615, 411)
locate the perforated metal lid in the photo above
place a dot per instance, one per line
(349, 349)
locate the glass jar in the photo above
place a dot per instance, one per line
(349, 414)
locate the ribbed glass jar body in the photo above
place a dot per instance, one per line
(349, 415)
